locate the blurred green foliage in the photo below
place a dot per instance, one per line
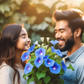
(36, 16)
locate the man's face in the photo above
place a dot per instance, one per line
(64, 35)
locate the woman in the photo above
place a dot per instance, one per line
(13, 41)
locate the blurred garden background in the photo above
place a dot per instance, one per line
(36, 15)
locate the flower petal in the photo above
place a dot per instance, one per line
(40, 52)
(28, 68)
(38, 61)
(58, 52)
(53, 49)
(55, 69)
(46, 57)
(49, 62)
(31, 49)
(25, 56)
(54, 42)
(64, 67)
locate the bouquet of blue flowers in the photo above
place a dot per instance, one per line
(45, 64)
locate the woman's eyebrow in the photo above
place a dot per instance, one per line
(23, 34)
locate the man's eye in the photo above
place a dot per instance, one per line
(55, 32)
(62, 31)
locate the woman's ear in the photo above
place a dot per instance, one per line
(78, 32)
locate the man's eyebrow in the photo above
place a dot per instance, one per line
(59, 29)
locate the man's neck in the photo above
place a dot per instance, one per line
(74, 48)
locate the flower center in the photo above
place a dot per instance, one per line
(28, 68)
(41, 53)
(48, 62)
(26, 56)
(54, 68)
(39, 61)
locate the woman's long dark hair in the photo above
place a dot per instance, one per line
(8, 39)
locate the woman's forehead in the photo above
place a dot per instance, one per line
(23, 30)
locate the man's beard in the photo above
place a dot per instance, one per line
(68, 44)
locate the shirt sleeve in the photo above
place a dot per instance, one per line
(6, 75)
(80, 75)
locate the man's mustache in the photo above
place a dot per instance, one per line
(60, 39)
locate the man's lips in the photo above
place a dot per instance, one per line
(61, 42)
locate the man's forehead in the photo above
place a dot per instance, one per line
(59, 29)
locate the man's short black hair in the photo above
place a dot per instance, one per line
(73, 16)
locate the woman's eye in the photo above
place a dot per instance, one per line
(23, 36)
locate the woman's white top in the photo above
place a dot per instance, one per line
(7, 74)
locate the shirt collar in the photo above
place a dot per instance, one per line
(76, 54)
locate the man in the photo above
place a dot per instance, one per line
(68, 31)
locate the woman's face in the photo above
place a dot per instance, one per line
(23, 42)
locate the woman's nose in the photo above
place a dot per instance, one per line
(28, 40)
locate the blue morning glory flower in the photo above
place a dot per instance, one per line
(40, 52)
(49, 62)
(28, 68)
(45, 57)
(53, 49)
(31, 49)
(25, 56)
(58, 52)
(64, 67)
(54, 42)
(38, 61)
(55, 69)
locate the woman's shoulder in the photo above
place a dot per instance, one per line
(5, 67)
(6, 73)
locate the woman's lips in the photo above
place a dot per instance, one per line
(28, 45)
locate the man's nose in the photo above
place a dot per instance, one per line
(57, 35)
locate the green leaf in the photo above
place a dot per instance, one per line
(48, 50)
(32, 19)
(51, 83)
(40, 74)
(48, 19)
(30, 80)
(24, 76)
(19, 2)
(70, 67)
(46, 79)
(58, 59)
(30, 60)
(33, 54)
(45, 47)
(62, 72)
(42, 26)
(24, 18)
(27, 26)
(34, 27)
(35, 37)
(1, 20)
(61, 81)
(39, 82)
(4, 7)
(36, 47)
(51, 29)
(52, 54)
(40, 9)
